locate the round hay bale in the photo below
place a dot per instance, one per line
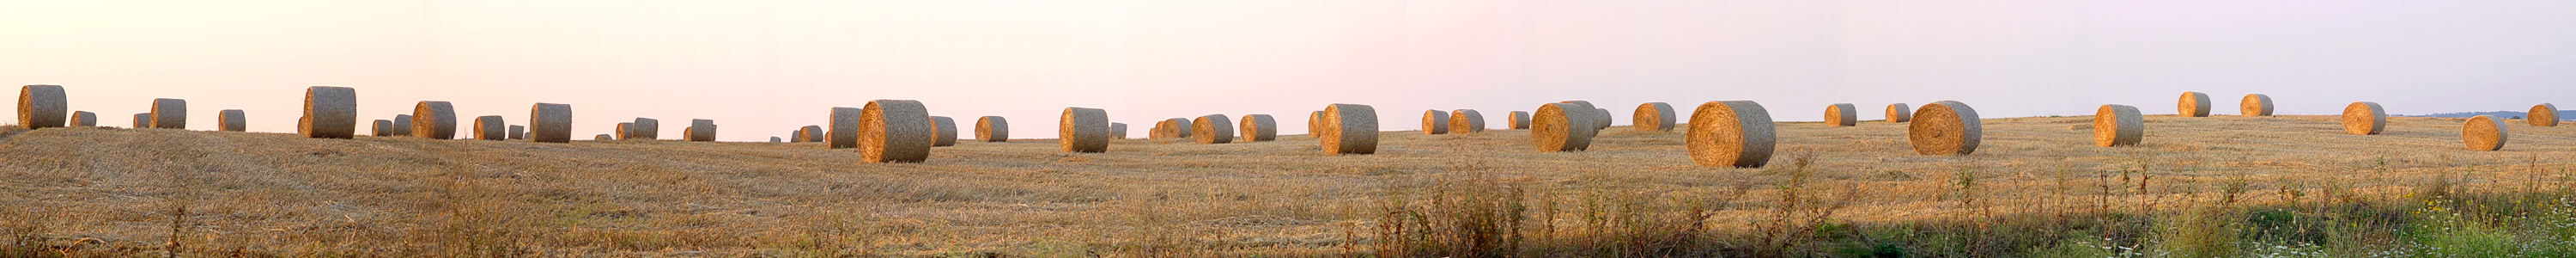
(1600, 119)
(1899, 113)
(1465, 121)
(1735, 133)
(2118, 125)
(1211, 129)
(518, 132)
(1520, 120)
(142, 120)
(1653, 117)
(812, 133)
(490, 128)
(2193, 104)
(170, 113)
(1257, 127)
(231, 120)
(1945, 128)
(1841, 115)
(42, 106)
(992, 129)
(624, 129)
(1118, 131)
(775, 139)
(1084, 130)
(843, 128)
(2255, 105)
(1349, 129)
(333, 111)
(701, 130)
(2483, 133)
(1561, 127)
(2364, 118)
(434, 120)
(83, 119)
(603, 137)
(947, 135)
(1172, 128)
(402, 125)
(644, 128)
(1435, 122)
(382, 128)
(2543, 115)
(1314, 123)
(895, 131)
(550, 122)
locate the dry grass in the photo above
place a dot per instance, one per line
(2037, 187)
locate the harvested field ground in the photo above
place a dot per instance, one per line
(2034, 184)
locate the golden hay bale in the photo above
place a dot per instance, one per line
(843, 130)
(1600, 118)
(623, 129)
(603, 137)
(643, 128)
(1653, 117)
(434, 120)
(1735, 133)
(170, 113)
(2364, 118)
(231, 120)
(2483, 133)
(992, 129)
(1118, 131)
(700, 130)
(2193, 104)
(142, 120)
(947, 135)
(518, 132)
(333, 112)
(2543, 115)
(1519, 120)
(1349, 129)
(550, 122)
(2118, 125)
(83, 119)
(1082, 130)
(2255, 105)
(383, 128)
(402, 125)
(1945, 128)
(1257, 127)
(1899, 113)
(812, 133)
(1211, 129)
(895, 131)
(1841, 115)
(1465, 121)
(1314, 123)
(1562, 127)
(489, 128)
(1172, 128)
(42, 106)
(1435, 122)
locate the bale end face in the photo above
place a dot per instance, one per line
(1945, 128)
(1211, 129)
(2483, 133)
(1731, 134)
(2118, 125)
(42, 106)
(2543, 115)
(2255, 105)
(1349, 129)
(2364, 118)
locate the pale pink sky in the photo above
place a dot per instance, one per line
(762, 68)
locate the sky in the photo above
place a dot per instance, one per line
(763, 68)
